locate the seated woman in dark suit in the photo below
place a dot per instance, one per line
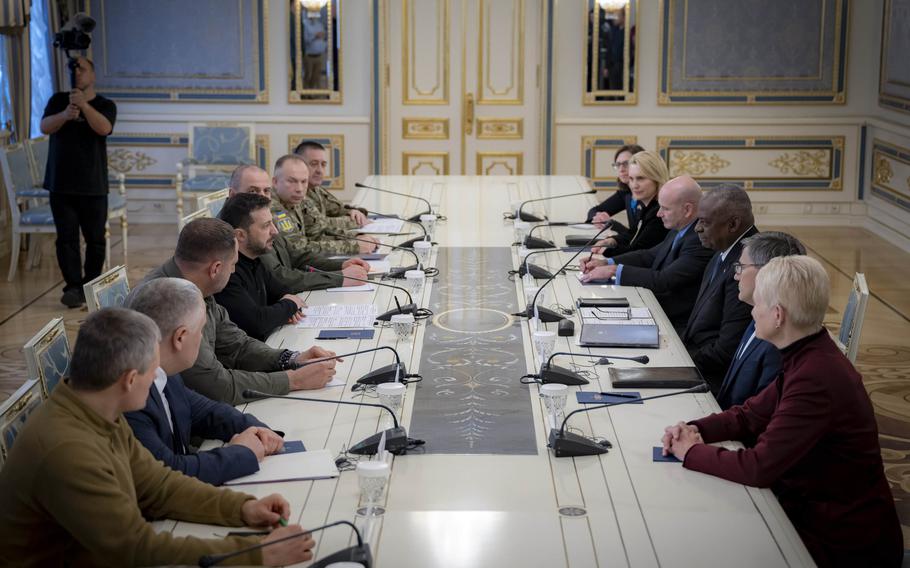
(813, 428)
(622, 199)
(647, 173)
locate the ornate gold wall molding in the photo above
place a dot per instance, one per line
(425, 128)
(803, 163)
(696, 163)
(881, 170)
(489, 163)
(500, 128)
(411, 91)
(425, 163)
(124, 161)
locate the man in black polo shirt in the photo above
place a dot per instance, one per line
(78, 123)
(254, 299)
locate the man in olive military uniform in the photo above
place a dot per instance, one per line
(290, 182)
(325, 213)
(290, 266)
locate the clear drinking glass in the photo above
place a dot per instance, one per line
(372, 477)
(554, 398)
(403, 325)
(545, 344)
(414, 281)
(423, 249)
(429, 223)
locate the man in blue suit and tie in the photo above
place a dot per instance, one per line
(173, 413)
(672, 269)
(756, 362)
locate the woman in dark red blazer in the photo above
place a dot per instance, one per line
(810, 435)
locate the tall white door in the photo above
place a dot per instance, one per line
(462, 89)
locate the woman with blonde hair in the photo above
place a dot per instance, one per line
(647, 173)
(622, 199)
(812, 433)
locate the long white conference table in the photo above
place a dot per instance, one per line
(478, 510)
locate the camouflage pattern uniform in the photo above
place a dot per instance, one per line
(324, 212)
(291, 222)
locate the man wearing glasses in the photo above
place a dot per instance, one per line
(756, 362)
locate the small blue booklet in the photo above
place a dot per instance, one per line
(292, 447)
(346, 334)
(588, 397)
(660, 457)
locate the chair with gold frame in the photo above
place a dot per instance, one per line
(851, 326)
(48, 355)
(213, 201)
(108, 290)
(200, 214)
(14, 412)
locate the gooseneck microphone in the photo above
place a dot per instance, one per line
(410, 242)
(413, 218)
(398, 271)
(409, 308)
(528, 217)
(567, 444)
(536, 271)
(549, 316)
(396, 438)
(532, 242)
(359, 553)
(550, 373)
(387, 374)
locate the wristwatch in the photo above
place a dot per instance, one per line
(288, 360)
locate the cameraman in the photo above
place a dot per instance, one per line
(78, 123)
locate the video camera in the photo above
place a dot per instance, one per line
(74, 35)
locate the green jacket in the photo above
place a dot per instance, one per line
(291, 222)
(229, 360)
(79, 490)
(323, 213)
(291, 267)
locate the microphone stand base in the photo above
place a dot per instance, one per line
(569, 445)
(536, 243)
(384, 375)
(538, 272)
(416, 218)
(546, 315)
(396, 442)
(409, 244)
(405, 309)
(561, 376)
(398, 271)
(525, 216)
(357, 554)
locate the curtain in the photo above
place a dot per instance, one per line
(41, 77)
(14, 16)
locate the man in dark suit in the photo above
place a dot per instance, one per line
(173, 413)
(719, 317)
(756, 361)
(673, 269)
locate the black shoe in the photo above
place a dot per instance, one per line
(73, 298)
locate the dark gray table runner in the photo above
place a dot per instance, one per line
(471, 400)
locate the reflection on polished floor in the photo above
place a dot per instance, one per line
(27, 303)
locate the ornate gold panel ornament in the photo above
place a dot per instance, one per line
(411, 93)
(500, 128)
(695, 163)
(425, 128)
(881, 171)
(511, 161)
(123, 161)
(803, 163)
(438, 161)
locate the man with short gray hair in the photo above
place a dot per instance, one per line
(756, 362)
(79, 489)
(174, 414)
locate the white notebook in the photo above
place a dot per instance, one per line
(313, 464)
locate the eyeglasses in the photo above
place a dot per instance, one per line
(618, 165)
(738, 266)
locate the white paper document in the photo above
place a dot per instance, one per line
(336, 382)
(584, 227)
(383, 226)
(361, 288)
(379, 266)
(313, 464)
(338, 316)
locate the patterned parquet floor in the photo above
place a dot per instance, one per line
(32, 299)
